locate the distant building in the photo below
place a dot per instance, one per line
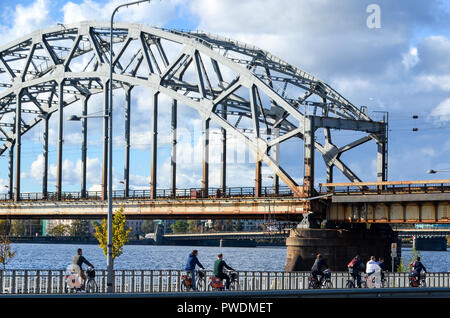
(48, 224)
(246, 225)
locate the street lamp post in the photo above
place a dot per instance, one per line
(432, 171)
(109, 263)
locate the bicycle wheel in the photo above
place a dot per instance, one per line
(234, 285)
(91, 286)
(184, 287)
(328, 284)
(200, 284)
(350, 284)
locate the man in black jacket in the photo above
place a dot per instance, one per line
(418, 267)
(219, 265)
(190, 266)
(316, 269)
(79, 259)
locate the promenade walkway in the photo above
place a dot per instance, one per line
(168, 281)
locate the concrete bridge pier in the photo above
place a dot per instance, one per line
(338, 245)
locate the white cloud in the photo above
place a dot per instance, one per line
(428, 151)
(156, 13)
(442, 111)
(410, 59)
(71, 171)
(26, 19)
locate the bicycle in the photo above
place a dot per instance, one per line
(383, 279)
(413, 282)
(217, 283)
(352, 282)
(325, 282)
(72, 279)
(186, 281)
(91, 285)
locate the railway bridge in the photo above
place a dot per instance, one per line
(254, 97)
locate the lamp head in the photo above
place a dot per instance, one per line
(74, 118)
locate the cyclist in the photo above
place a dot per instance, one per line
(382, 266)
(219, 265)
(417, 267)
(355, 267)
(372, 266)
(190, 266)
(79, 259)
(316, 269)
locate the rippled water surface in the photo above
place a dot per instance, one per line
(58, 256)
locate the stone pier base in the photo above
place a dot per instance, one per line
(338, 246)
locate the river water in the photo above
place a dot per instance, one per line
(58, 256)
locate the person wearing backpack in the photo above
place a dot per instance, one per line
(317, 269)
(355, 267)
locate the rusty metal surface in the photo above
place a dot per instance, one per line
(419, 212)
(158, 209)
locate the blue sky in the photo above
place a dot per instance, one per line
(402, 68)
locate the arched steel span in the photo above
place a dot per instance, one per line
(224, 80)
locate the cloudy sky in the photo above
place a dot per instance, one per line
(402, 66)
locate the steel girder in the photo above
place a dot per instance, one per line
(224, 80)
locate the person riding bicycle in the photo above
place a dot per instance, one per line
(79, 259)
(355, 267)
(190, 266)
(316, 269)
(219, 265)
(372, 266)
(417, 267)
(382, 266)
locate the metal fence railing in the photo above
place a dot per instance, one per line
(391, 187)
(157, 281)
(185, 194)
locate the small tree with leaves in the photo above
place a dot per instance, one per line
(6, 254)
(120, 234)
(402, 267)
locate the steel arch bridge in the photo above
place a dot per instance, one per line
(251, 94)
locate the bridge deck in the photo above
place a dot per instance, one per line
(391, 202)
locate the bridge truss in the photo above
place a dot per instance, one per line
(251, 94)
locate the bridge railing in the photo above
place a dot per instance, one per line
(386, 187)
(188, 193)
(157, 281)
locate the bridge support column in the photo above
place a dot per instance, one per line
(205, 157)
(11, 172)
(338, 246)
(84, 147)
(382, 154)
(17, 128)
(223, 164)
(173, 151)
(59, 163)
(276, 158)
(45, 155)
(309, 157)
(153, 179)
(126, 172)
(258, 177)
(105, 138)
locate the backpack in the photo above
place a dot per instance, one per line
(352, 263)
